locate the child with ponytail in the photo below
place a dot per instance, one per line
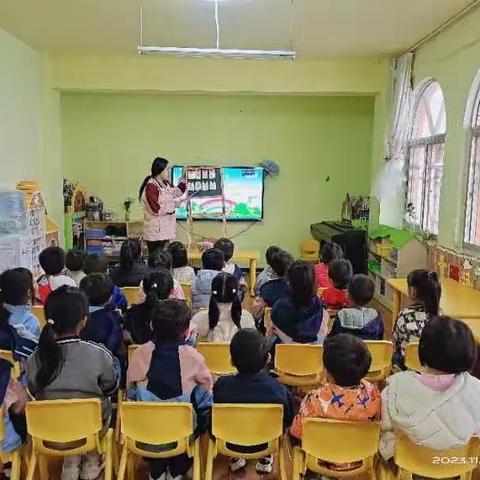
(224, 316)
(156, 286)
(132, 269)
(66, 367)
(424, 291)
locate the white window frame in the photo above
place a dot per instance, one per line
(472, 111)
(429, 143)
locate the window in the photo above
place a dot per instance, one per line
(425, 156)
(472, 213)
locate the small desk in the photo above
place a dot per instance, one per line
(458, 301)
(249, 255)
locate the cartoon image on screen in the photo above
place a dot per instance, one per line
(242, 188)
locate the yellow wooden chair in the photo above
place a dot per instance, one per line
(10, 457)
(76, 424)
(267, 318)
(246, 425)
(187, 291)
(412, 361)
(131, 294)
(299, 365)
(39, 312)
(217, 357)
(326, 441)
(149, 423)
(309, 250)
(381, 352)
(415, 459)
(8, 356)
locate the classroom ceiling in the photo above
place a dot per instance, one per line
(321, 28)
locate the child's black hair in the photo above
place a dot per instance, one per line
(280, 262)
(52, 260)
(224, 290)
(16, 287)
(346, 358)
(75, 260)
(271, 251)
(179, 254)
(213, 259)
(427, 289)
(340, 272)
(226, 246)
(331, 251)
(157, 286)
(160, 259)
(447, 345)
(95, 263)
(98, 287)
(361, 289)
(130, 253)
(249, 351)
(170, 320)
(301, 278)
(65, 308)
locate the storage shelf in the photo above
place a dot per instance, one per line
(387, 259)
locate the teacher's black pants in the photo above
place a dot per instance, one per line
(154, 246)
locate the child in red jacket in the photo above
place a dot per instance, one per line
(330, 251)
(340, 272)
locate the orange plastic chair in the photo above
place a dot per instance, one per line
(299, 365)
(131, 294)
(39, 312)
(187, 290)
(217, 357)
(309, 250)
(150, 423)
(10, 457)
(63, 422)
(326, 441)
(418, 460)
(381, 352)
(412, 361)
(246, 425)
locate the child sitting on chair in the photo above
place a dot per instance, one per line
(104, 323)
(340, 272)
(249, 352)
(52, 261)
(157, 286)
(167, 369)
(74, 263)
(65, 367)
(95, 263)
(330, 251)
(182, 271)
(225, 315)
(213, 262)
(267, 273)
(17, 295)
(439, 407)
(345, 395)
(228, 249)
(359, 320)
(297, 317)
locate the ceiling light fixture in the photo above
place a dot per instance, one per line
(217, 51)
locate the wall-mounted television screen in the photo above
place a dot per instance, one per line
(242, 193)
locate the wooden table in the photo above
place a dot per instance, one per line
(250, 255)
(458, 301)
(474, 324)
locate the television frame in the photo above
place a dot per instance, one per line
(232, 220)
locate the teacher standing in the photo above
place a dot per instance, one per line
(159, 198)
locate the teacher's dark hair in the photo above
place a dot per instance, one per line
(158, 166)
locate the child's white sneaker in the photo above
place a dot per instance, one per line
(92, 466)
(163, 476)
(71, 467)
(264, 465)
(236, 464)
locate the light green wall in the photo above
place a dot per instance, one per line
(453, 59)
(29, 136)
(109, 141)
